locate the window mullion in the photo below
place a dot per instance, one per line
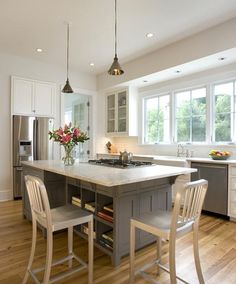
(209, 113)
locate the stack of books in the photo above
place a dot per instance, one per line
(107, 239)
(106, 213)
(76, 201)
(108, 207)
(90, 206)
(84, 229)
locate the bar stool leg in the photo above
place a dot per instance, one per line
(70, 244)
(132, 251)
(172, 261)
(196, 254)
(48, 256)
(90, 252)
(158, 253)
(32, 252)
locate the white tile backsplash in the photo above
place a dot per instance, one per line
(131, 145)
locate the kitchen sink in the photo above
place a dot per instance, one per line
(170, 161)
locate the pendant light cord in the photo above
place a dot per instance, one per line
(68, 37)
(115, 28)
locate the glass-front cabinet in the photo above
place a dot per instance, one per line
(122, 112)
(118, 113)
(111, 124)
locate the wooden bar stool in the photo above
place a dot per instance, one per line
(170, 225)
(53, 220)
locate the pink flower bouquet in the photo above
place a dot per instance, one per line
(68, 137)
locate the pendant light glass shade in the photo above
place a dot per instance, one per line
(67, 88)
(115, 68)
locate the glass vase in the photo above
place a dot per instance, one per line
(68, 159)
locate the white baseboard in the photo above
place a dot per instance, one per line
(6, 195)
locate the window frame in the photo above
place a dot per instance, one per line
(174, 125)
(172, 87)
(233, 129)
(144, 99)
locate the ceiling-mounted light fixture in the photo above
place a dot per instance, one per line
(115, 68)
(67, 88)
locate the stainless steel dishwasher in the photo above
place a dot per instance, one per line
(216, 200)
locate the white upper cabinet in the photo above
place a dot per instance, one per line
(30, 97)
(121, 113)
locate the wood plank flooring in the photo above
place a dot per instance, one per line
(217, 252)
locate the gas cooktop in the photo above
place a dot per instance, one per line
(116, 163)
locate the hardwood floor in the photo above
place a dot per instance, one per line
(217, 252)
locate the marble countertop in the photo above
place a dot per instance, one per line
(210, 160)
(180, 160)
(109, 176)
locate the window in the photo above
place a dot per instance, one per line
(156, 119)
(224, 106)
(205, 114)
(190, 115)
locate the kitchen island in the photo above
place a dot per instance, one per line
(126, 192)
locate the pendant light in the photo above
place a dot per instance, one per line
(67, 88)
(115, 68)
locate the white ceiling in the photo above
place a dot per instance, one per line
(29, 24)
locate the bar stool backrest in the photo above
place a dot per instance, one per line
(188, 204)
(38, 198)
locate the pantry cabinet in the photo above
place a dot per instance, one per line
(30, 97)
(121, 113)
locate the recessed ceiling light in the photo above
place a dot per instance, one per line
(39, 50)
(145, 81)
(221, 58)
(91, 64)
(149, 35)
(177, 71)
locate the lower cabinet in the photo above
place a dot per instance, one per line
(232, 192)
(112, 207)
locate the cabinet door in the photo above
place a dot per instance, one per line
(122, 111)
(111, 113)
(44, 95)
(22, 96)
(127, 207)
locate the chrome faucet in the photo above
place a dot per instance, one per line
(180, 150)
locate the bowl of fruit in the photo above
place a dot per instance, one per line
(219, 155)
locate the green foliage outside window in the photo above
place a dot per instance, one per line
(191, 120)
(222, 118)
(155, 126)
(190, 116)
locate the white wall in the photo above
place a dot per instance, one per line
(18, 66)
(208, 42)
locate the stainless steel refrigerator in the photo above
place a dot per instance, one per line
(30, 142)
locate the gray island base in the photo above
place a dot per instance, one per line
(130, 191)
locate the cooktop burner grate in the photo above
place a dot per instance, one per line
(116, 163)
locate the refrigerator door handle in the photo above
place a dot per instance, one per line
(35, 140)
(19, 169)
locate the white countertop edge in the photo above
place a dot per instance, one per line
(107, 176)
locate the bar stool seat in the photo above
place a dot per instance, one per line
(170, 225)
(63, 217)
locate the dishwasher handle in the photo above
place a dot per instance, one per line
(214, 166)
